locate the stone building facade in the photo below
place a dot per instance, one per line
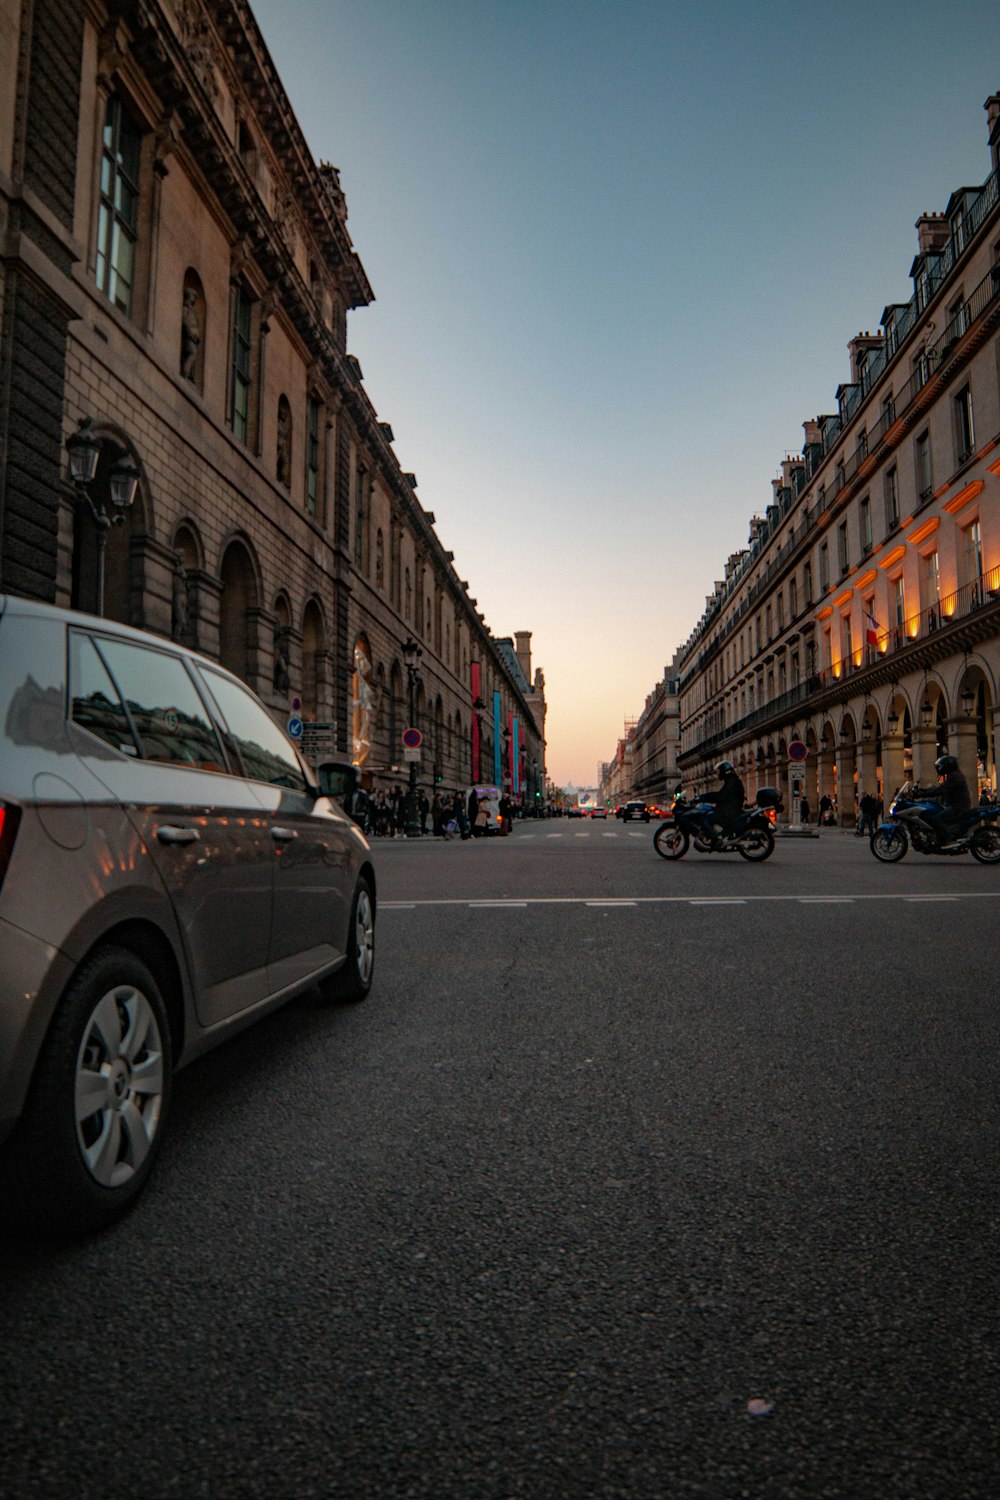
(863, 617)
(178, 273)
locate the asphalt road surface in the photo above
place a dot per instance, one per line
(630, 1179)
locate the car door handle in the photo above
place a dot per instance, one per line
(283, 835)
(168, 835)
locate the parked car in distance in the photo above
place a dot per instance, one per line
(634, 810)
(170, 870)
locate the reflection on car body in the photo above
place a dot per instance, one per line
(169, 869)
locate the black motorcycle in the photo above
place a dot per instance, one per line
(752, 835)
(914, 819)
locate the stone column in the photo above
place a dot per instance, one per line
(824, 777)
(846, 815)
(962, 744)
(924, 755)
(867, 768)
(893, 774)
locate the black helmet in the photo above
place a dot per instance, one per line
(724, 768)
(944, 764)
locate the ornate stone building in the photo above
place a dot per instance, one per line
(863, 618)
(178, 273)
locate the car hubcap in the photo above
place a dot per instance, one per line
(364, 930)
(119, 1086)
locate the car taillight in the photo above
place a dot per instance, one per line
(10, 817)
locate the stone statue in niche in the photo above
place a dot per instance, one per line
(179, 608)
(284, 467)
(190, 334)
(282, 675)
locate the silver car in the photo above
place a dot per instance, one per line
(170, 870)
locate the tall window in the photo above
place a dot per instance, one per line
(241, 376)
(888, 413)
(807, 582)
(842, 546)
(793, 597)
(118, 217)
(846, 639)
(925, 482)
(973, 552)
(932, 580)
(312, 456)
(824, 567)
(964, 431)
(898, 602)
(360, 515)
(865, 519)
(891, 499)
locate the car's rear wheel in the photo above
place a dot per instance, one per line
(353, 980)
(95, 1115)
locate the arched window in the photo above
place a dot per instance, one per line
(407, 595)
(312, 657)
(379, 559)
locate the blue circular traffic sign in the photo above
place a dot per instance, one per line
(295, 728)
(797, 750)
(412, 739)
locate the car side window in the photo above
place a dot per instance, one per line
(263, 749)
(94, 702)
(170, 719)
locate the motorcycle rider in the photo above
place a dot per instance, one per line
(728, 800)
(953, 794)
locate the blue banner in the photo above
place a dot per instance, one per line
(515, 744)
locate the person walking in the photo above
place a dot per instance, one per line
(803, 810)
(472, 811)
(505, 819)
(438, 817)
(868, 808)
(425, 808)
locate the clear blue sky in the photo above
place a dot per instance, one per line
(618, 252)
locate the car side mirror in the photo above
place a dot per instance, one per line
(336, 779)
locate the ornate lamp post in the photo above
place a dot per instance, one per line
(411, 657)
(84, 451)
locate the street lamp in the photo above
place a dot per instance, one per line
(926, 713)
(84, 450)
(411, 656)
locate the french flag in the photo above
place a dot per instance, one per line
(871, 629)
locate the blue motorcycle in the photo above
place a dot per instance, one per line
(752, 836)
(914, 819)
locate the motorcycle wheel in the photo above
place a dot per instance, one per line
(756, 844)
(670, 842)
(888, 844)
(985, 846)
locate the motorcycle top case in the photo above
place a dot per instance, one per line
(769, 796)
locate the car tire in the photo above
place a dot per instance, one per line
(353, 980)
(94, 1119)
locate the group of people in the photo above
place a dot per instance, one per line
(450, 814)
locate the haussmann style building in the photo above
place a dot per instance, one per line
(862, 619)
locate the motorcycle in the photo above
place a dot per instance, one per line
(912, 820)
(752, 836)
